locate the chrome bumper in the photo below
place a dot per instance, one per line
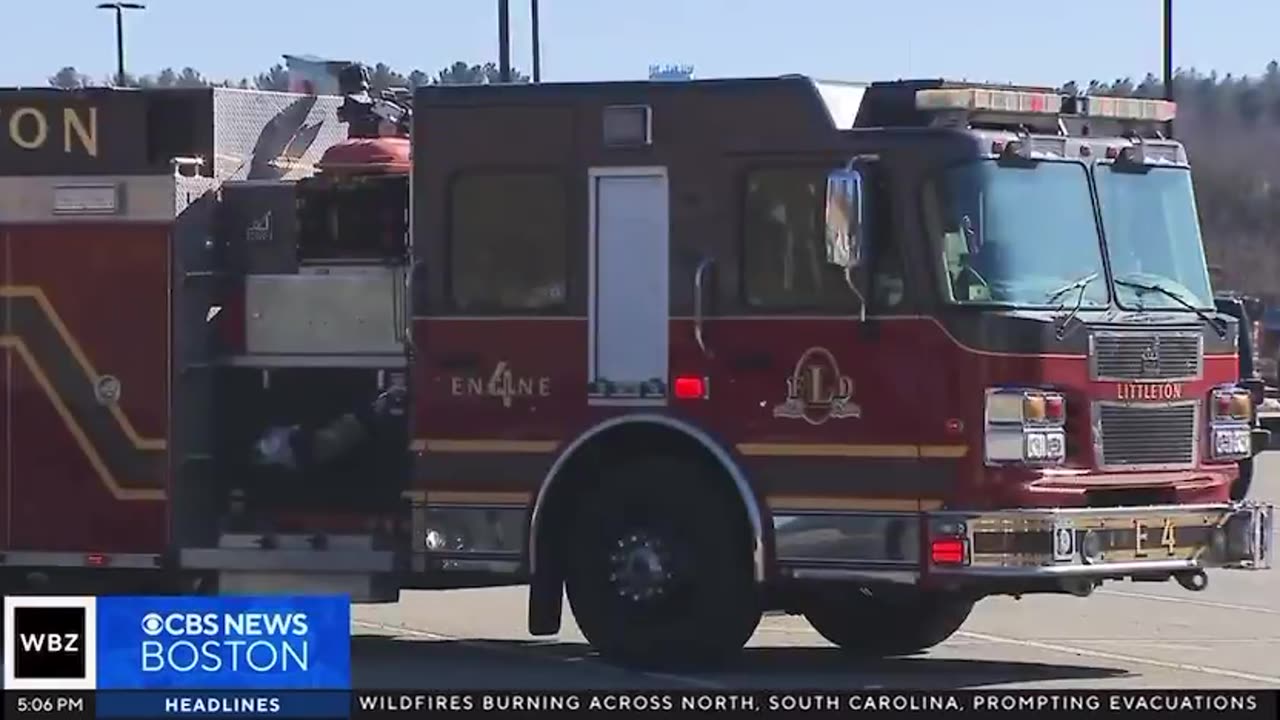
(1106, 542)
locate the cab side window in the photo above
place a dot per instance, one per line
(888, 268)
(508, 243)
(784, 248)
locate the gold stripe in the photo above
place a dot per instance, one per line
(484, 446)
(840, 450)
(449, 497)
(782, 503)
(35, 293)
(78, 433)
(944, 451)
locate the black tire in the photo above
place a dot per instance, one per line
(900, 623)
(706, 606)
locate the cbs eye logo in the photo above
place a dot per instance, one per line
(152, 624)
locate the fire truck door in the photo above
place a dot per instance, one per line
(628, 316)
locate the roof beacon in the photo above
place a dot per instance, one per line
(1131, 109)
(985, 100)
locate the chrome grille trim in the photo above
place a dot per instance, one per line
(1146, 436)
(1118, 355)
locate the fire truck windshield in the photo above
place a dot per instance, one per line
(1017, 235)
(1153, 238)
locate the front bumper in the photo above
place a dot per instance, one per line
(1106, 542)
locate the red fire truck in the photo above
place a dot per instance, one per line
(685, 352)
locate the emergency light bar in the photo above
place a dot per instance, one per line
(984, 100)
(1024, 102)
(1130, 109)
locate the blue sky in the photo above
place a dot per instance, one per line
(607, 39)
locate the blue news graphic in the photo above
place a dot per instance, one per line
(224, 643)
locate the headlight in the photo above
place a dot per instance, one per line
(1230, 412)
(1231, 442)
(1025, 426)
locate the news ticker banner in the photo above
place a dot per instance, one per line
(359, 705)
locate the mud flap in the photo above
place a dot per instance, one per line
(1261, 440)
(546, 603)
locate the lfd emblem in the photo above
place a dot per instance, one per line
(817, 391)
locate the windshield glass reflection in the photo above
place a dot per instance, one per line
(1018, 235)
(1153, 238)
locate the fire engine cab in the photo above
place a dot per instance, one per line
(684, 352)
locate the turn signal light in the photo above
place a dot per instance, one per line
(947, 551)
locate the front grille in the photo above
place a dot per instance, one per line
(1146, 355)
(1146, 435)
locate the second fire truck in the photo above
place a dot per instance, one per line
(687, 352)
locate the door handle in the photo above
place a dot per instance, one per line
(697, 304)
(460, 361)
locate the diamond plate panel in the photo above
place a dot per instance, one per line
(262, 135)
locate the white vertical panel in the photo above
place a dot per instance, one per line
(630, 273)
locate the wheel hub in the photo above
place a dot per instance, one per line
(640, 567)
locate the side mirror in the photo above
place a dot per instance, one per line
(844, 218)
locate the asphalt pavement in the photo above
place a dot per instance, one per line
(1127, 635)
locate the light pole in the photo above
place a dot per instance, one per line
(1168, 57)
(119, 8)
(537, 54)
(504, 41)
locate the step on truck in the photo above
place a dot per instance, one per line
(685, 353)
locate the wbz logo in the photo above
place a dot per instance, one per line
(49, 643)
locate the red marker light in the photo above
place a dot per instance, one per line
(1222, 405)
(689, 387)
(947, 551)
(95, 559)
(1054, 408)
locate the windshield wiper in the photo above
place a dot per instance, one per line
(1060, 327)
(1216, 323)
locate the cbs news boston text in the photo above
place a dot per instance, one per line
(290, 657)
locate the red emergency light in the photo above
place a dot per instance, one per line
(1019, 102)
(690, 387)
